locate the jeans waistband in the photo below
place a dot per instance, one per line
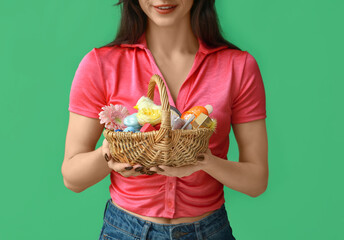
(138, 227)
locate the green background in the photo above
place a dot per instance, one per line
(299, 48)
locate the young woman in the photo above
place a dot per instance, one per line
(179, 40)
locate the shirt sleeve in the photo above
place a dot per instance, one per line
(87, 94)
(249, 104)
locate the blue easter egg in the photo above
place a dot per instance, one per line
(131, 121)
(129, 129)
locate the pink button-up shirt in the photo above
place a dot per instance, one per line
(227, 79)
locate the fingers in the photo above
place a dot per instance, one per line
(132, 172)
(159, 170)
(118, 167)
(177, 171)
(125, 169)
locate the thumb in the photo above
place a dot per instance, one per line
(105, 143)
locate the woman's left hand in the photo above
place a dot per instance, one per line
(184, 170)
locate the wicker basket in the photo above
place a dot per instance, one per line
(165, 146)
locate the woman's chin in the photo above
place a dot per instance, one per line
(164, 23)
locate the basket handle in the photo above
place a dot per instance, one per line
(165, 126)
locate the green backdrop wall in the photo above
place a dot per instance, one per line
(298, 45)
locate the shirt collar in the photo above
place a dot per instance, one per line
(203, 48)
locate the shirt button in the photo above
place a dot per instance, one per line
(169, 204)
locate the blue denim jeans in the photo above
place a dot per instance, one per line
(120, 225)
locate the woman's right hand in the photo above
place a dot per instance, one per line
(125, 169)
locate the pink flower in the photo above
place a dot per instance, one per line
(113, 116)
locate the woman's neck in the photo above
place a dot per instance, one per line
(164, 41)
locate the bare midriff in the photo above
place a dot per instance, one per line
(168, 220)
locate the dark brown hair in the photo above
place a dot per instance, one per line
(204, 23)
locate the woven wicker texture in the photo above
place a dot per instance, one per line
(165, 146)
